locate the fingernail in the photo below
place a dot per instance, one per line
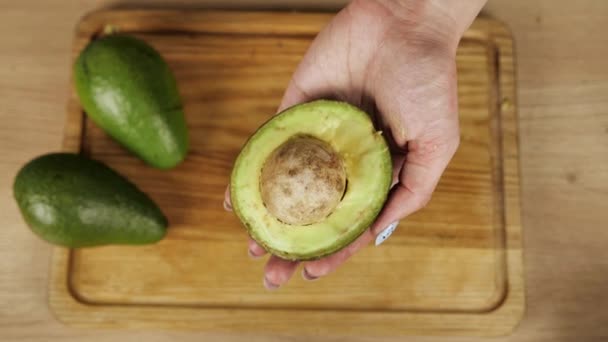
(270, 286)
(253, 256)
(386, 233)
(227, 206)
(307, 275)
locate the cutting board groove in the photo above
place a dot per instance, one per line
(454, 268)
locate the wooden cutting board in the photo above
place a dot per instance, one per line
(454, 268)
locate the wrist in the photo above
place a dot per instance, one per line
(457, 14)
(437, 22)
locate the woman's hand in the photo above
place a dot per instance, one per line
(395, 60)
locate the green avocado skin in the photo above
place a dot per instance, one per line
(73, 201)
(128, 90)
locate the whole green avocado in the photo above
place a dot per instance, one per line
(127, 89)
(74, 201)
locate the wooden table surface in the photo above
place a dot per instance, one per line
(561, 49)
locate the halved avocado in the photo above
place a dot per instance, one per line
(311, 179)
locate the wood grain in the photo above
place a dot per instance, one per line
(562, 101)
(451, 264)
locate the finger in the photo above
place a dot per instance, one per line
(424, 165)
(293, 95)
(278, 272)
(305, 88)
(437, 160)
(227, 201)
(319, 268)
(320, 74)
(398, 160)
(254, 249)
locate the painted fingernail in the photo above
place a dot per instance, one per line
(270, 286)
(253, 256)
(386, 233)
(307, 275)
(227, 206)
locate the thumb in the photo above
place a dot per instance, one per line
(293, 95)
(308, 81)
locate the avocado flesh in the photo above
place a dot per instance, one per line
(367, 161)
(128, 90)
(73, 201)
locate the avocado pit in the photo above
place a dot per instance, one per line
(303, 181)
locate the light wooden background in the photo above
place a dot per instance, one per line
(561, 49)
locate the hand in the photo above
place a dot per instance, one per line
(396, 61)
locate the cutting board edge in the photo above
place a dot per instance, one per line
(70, 310)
